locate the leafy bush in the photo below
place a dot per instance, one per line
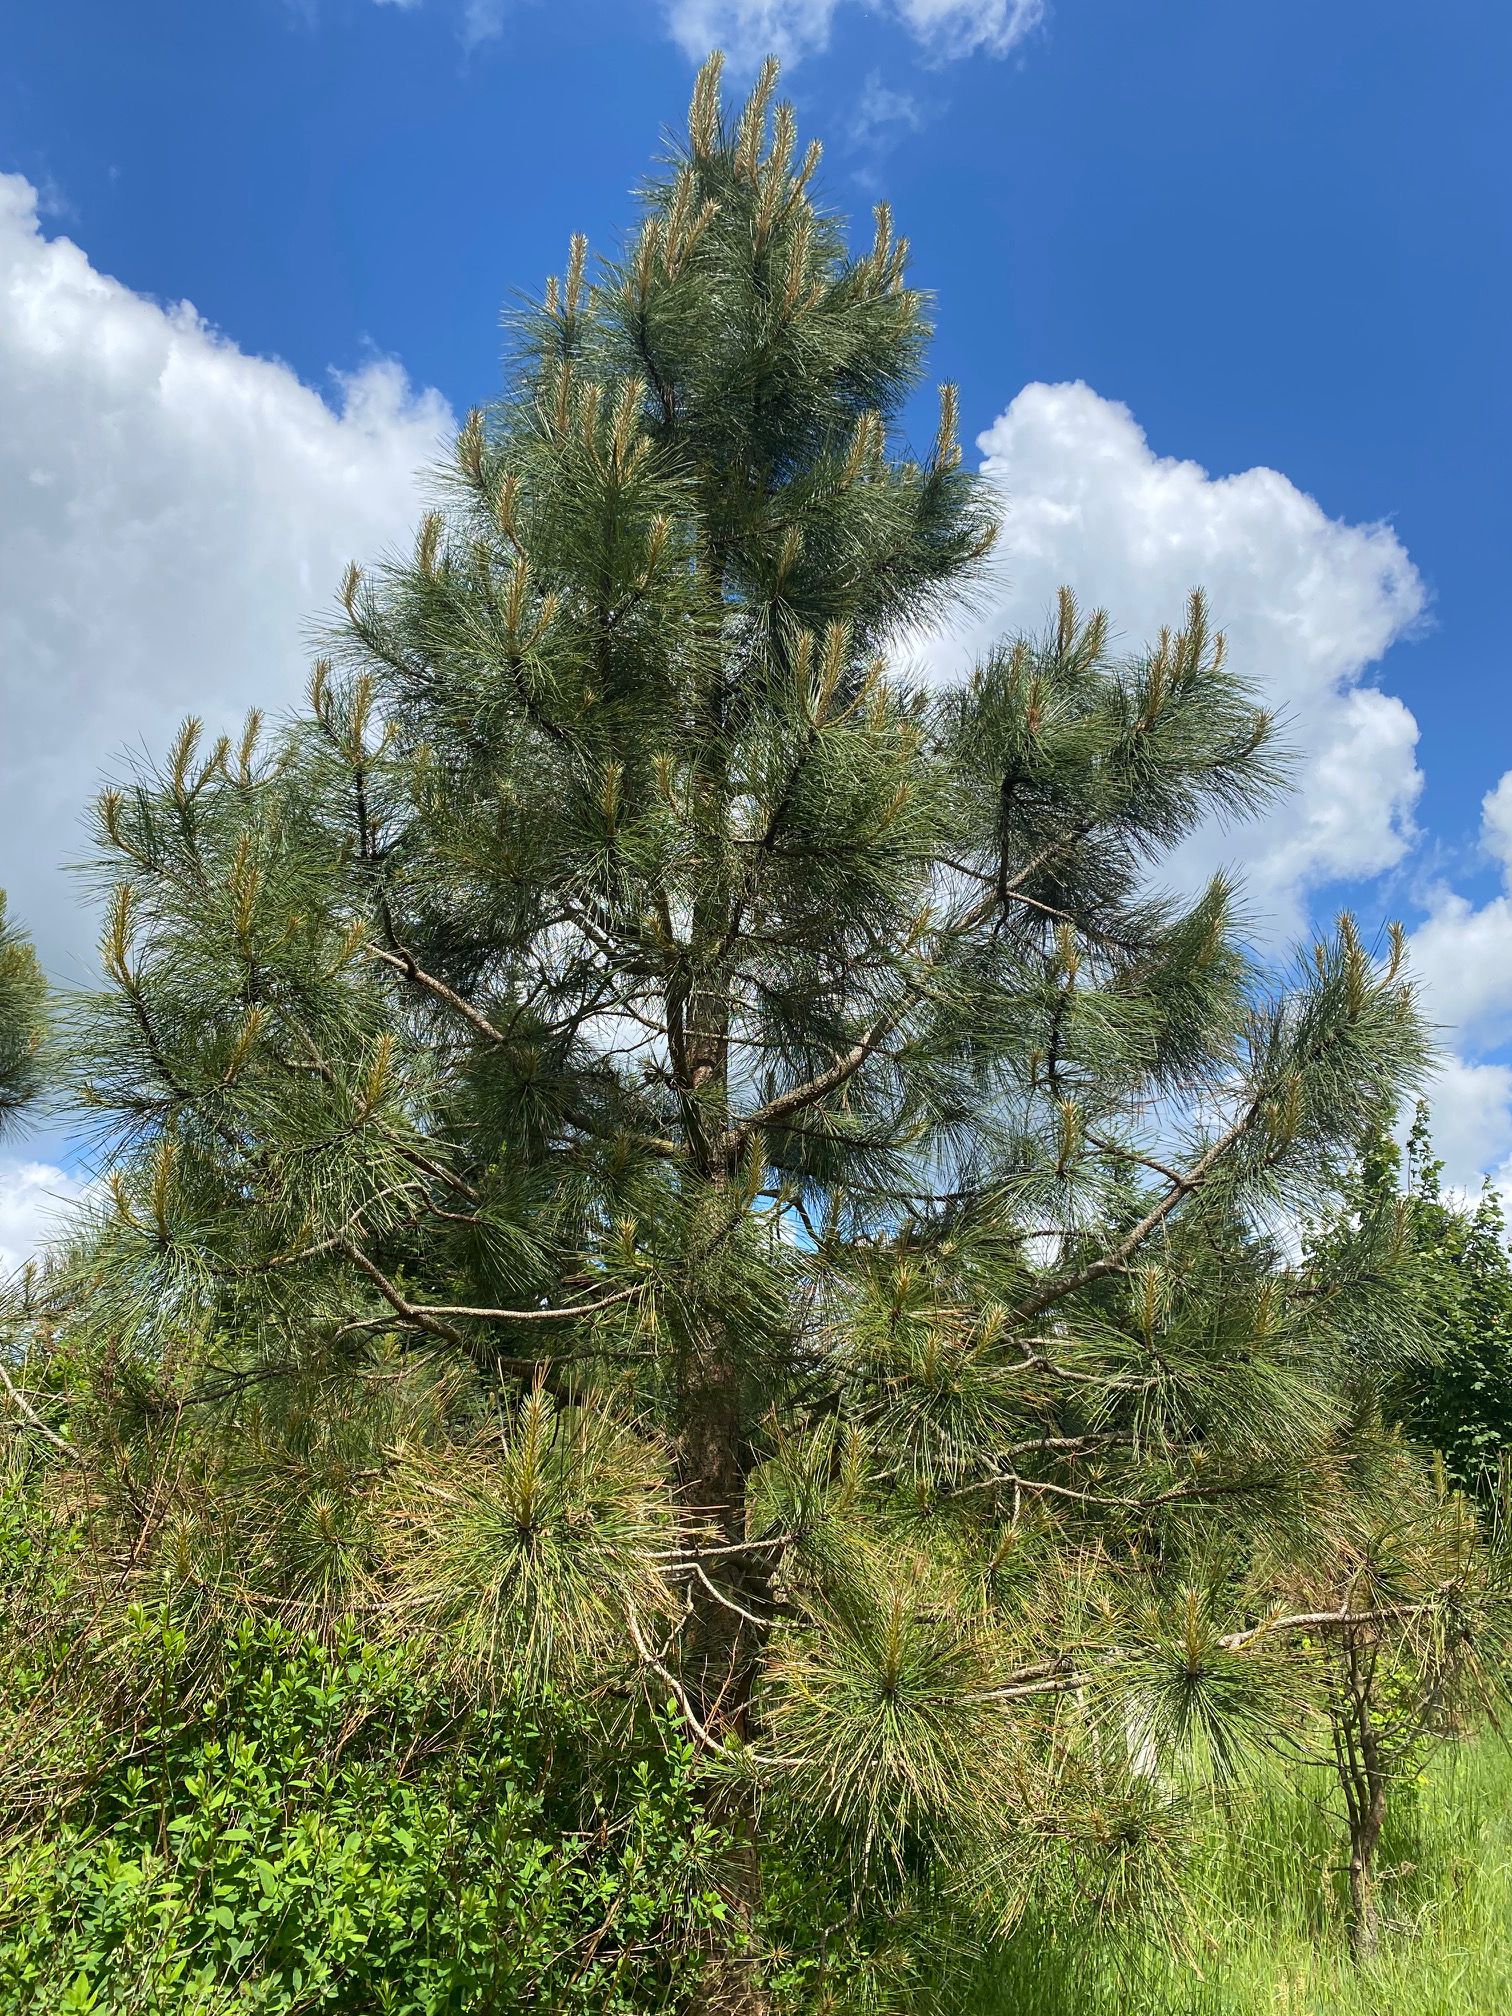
(322, 1831)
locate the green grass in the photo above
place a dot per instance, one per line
(1266, 1937)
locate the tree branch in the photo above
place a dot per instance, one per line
(32, 1418)
(404, 962)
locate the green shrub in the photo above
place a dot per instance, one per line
(323, 1831)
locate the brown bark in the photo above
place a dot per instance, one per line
(1366, 1822)
(722, 1649)
(721, 1646)
(733, 1982)
(1364, 1777)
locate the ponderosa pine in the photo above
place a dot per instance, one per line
(651, 1149)
(23, 1004)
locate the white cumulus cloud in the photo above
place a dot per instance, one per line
(172, 514)
(1462, 956)
(173, 510)
(1471, 1116)
(35, 1199)
(1310, 604)
(1496, 822)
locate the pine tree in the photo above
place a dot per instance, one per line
(23, 1005)
(662, 1156)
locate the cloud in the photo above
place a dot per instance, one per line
(1471, 1111)
(1496, 822)
(880, 119)
(172, 514)
(482, 21)
(751, 29)
(1310, 604)
(173, 511)
(479, 20)
(748, 30)
(35, 1199)
(882, 113)
(963, 27)
(1462, 956)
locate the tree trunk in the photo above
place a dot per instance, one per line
(722, 1652)
(723, 1642)
(1363, 1775)
(1364, 1916)
(734, 1980)
(1365, 1826)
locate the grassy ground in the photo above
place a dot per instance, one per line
(1267, 1939)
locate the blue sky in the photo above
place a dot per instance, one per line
(1250, 239)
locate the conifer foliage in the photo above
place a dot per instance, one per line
(23, 999)
(654, 1152)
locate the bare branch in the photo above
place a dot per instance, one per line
(32, 1418)
(404, 963)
